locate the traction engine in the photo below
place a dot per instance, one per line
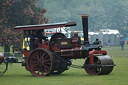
(55, 56)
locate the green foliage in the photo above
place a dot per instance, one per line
(18, 12)
(103, 14)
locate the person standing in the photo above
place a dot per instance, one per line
(32, 40)
(122, 42)
(109, 41)
(40, 35)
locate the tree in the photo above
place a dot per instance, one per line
(124, 18)
(18, 12)
(103, 14)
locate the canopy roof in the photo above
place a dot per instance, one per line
(44, 26)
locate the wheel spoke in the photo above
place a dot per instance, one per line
(47, 60)
(46, 57)
(36, 56)
(34, 67)
(34, 62)
(45, 70)
(39, 54)
(48, 63)
(42, 55)
(45, 66)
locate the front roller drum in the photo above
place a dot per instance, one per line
(41, 62)
(103, 64)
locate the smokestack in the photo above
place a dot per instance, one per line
(85, 28)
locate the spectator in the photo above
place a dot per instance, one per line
(109, 41)
(122, 42)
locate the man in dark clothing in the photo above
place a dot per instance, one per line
(32, 40)
(109, 41)
(40, 36)
(97, 42)
(122, 42)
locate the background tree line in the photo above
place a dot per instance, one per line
(103, 14)
(16, 13)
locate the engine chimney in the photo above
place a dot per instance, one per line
(85, 28)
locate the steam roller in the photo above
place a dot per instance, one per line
(55, 56)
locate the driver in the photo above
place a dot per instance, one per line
(32, 40)
(40, 36)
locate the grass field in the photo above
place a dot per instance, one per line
(17, 75)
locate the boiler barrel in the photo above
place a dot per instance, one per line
(76, 53)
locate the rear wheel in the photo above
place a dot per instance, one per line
(41, 62)
(102, 65)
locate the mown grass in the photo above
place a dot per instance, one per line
(115, 51)
(17, 75)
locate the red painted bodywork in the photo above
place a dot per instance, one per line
(75, 40)
(68, 48)
(44, 45)
(91, 54)
(26, 55)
